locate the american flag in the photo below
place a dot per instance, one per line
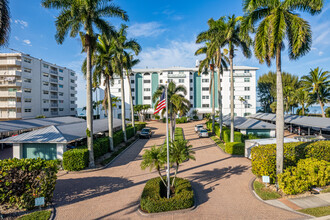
(161, 104)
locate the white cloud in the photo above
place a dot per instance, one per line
(176, 53)
(321, 53)
(149, 29)
(27, 42)
(22, 23)
(16, 38)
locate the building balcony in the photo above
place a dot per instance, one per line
(178, 75)
(10, 94)
(74, 92)
(73, 98)
(10, 84)
(53, 105)
(53, 113)
(54, 97)
(10, 62)
(10, 73)
(73, 105)
(53, 88)
(10, 104)
(53, 80)
(53, 72)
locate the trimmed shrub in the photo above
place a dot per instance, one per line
(309, 172)
(181, 120)
(23, 180)
(101, 146)
(226, 136)
(76, 159)
(195, 117)
(319, 150)
(235, 148)
(154, 199)
(140, 125)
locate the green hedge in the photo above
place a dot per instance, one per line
(181, 120)
(264, 157)
(138, 125)
(101, 146)
(226, 136)
(309, 172)
(22, 180)
(178, 135)
(235, 148)
(152, 201)
(75, 159)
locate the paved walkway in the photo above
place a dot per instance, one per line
(222, 183)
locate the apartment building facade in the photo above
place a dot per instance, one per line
(30, 87)
(144, 83)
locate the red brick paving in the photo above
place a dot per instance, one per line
(221, 182)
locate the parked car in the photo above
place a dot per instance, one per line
(145, 133)
(198, 127)
(203, 133)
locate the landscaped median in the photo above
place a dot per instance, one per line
(233, 148)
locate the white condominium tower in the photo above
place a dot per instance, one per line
(30, 87)
(144, 83)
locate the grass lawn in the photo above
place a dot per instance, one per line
(317, 212)
(39, 215)
(263, 192)
(178, 135)
(218, 142)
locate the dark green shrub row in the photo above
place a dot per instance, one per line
(264, 157)
(164, 120)
(101, 146)
(238, 136)
(23, 180)
(181, 120)
(152, 200)
(140, 125)
(76, 159)
(195, 117)
(309, 172)
(118, 137)
(235, 148)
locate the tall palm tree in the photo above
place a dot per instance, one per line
(120, 46)
(5, 22)
(233, 40)
(314, 82)
(177, 103)
(86, 15)
(278, 20)
(129, 62)
(303, 99)
(215, 36)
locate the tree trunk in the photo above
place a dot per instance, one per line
(173, 128)
(279, 114)
(303, 109)
(123, 121)
(131, 102)
(110, 115)
(219, 92)
(213, 101)
(89, 101)
(160, 175)
(231, 57)
(321, 104)
(176, 171)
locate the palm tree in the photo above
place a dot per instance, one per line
(180, 151)
(129, 62)
(120, 46)
(5, 22)
(314, 82)
(302, 97)
(278, 21)
(243, 101)
(86, 15)
(234, 40)
(323, 96)
(215, 36)
(177, 103)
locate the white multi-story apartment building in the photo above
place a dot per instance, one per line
(144, 83)
(30, 87)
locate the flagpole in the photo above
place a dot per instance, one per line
(167, 146)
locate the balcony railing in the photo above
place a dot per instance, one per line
(54, 88)
(54, 96)
(53, 80)
(10, 62)
(53, 71)
(180, 75)
(10, 72)
(53, 105)
(10, 94)
(53, 113)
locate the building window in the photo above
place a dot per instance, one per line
(247, 97)
(60, 70)
(72, 81)
(170, 72)
(27, 70)
(45, 83)
(181, 72)
(72, 95)
(45, 74)
(61, 109)
(27, 90)
(26, 60)
(205, 80)
(246, 88)
(27, 110)
(133, 98)
(247, 114)
(161, 81)
(45, 101)
(205, 97)
(45, 66)
(72, 102)
(146, 89)
(118, 81)
(246, 71)
(191, 97)
(191, 81)
(60, 94)
(72, 87)
(132, 89)
(72, 109)
(45, 92)
(61, 101)
(181, 80)
(119, 90)
(72, 73)
(205, 105)
(28, 100)
(246, 79)
(27, 80)
(146, 81)
(205, 88)
(132, 81)
(191, 89)
(60, 86)
(230, 79)
(147, 98)
(46, 109)
(60, 78)
(247, 106)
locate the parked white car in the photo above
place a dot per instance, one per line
(203, 133)
(198, 128)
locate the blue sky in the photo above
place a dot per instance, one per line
(166, 31)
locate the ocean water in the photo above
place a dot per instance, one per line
(80, 112)
(315, 109)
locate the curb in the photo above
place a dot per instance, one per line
(103, 167)
(180, 211)
(260, 199)
(232, 155)
(53, 213)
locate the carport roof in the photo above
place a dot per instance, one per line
(28, 124)
(61, 133)
(306, 121)
(248, 123)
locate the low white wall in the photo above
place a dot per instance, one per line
(60, 149)
(18, 151)
(272, 133)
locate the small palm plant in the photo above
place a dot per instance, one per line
(180, 151)
(154, 158)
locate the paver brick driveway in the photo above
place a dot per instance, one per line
(221, 182)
